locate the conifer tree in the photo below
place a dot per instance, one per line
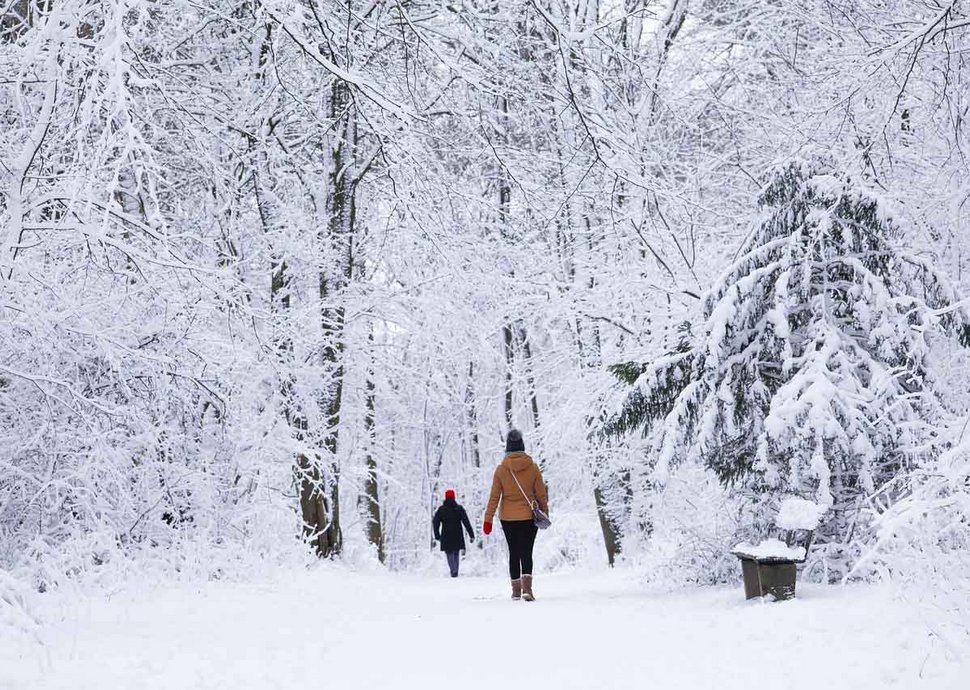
(810, 372)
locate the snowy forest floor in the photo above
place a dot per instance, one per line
(330, 628)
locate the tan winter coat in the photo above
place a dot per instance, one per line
(514, 504)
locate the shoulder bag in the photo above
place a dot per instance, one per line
(540, 519)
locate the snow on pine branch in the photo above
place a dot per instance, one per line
(808, 373)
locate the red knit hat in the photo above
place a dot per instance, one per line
(450, 493)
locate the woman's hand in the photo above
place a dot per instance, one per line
(487, 528)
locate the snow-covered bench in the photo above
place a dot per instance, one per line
(768, 567)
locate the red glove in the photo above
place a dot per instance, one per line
(487, 529)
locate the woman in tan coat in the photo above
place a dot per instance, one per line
(517, 484)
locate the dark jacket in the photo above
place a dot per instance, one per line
(447, 522)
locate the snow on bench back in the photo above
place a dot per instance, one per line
(798, 513)
(770, 548)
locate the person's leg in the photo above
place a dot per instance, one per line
(515, 573)
(453, 562)
(528, 541)
(513, 538)
(526, 544)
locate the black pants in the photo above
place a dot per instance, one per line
(521, 537)
(453, 561)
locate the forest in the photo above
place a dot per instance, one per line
(275, 274)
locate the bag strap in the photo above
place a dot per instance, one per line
(531, 503)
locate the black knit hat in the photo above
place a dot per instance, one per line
(513, 442)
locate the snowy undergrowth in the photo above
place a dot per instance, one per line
(924, 544)
(96, 566)
(18, 609)
(695, 521)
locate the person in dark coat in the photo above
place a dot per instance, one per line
(447, 522)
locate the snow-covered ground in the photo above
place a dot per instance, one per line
(330, 628)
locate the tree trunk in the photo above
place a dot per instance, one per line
(471, 417)
(314, 504)
(509, 364)
(606, 502)
(611, 536)
(523, 337)
(504, 202)
(334, 278)
(371, 497)
(591, 356)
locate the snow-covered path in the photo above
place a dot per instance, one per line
(334, 629)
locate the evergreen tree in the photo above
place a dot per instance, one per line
(811, 370)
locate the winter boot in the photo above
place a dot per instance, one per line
(527, 588)
(516, 590)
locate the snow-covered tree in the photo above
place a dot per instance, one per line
(272, 270)
(810, 372)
